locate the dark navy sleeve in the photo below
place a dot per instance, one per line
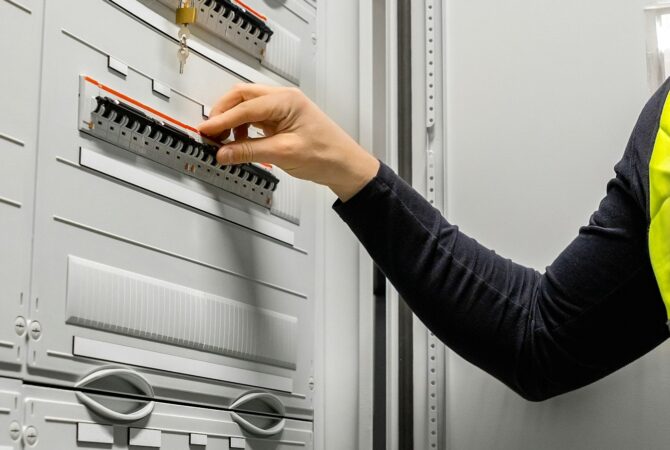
(594, 310)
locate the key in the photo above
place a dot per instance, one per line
(182, 55)
(186, 14)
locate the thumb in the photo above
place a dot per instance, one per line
(261, 150)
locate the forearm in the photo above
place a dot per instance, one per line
(473, 300)
(540, 334)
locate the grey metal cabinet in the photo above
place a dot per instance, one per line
(18, 147)
(205, 293)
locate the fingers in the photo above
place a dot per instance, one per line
(221, 137)
(259, 109)
(270, 150)
(239, 94)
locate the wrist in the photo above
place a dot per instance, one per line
(356, 174)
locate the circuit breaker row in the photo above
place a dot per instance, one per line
(151, 297)
(127, 125)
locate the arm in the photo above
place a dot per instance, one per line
(596, 308)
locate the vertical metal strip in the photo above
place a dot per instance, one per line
(379, 410)
(433, 343)
(392, 118)
(430, 63)
(405, 315)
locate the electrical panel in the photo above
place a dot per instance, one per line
(152, 297)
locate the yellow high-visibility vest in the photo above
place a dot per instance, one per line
(659, 206)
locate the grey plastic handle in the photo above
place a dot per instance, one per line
(130, 376)
(267, 398)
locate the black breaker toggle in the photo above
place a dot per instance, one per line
(250, 22)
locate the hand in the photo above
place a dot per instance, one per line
(299, 138)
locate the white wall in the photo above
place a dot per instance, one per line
(542, 97)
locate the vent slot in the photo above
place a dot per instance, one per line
(122, 302)
(283, 54)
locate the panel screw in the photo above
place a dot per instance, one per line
(311, 384)
(15, 431)
(35, 330)
(30, 435)
(313, 38)
(20, 325)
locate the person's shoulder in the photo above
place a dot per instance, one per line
(653, 110)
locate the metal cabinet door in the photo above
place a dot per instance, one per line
(11, 414)
(59, 420)
(20, 81)
(181, 269)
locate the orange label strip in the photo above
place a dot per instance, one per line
(141, 105)
(251, 10)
